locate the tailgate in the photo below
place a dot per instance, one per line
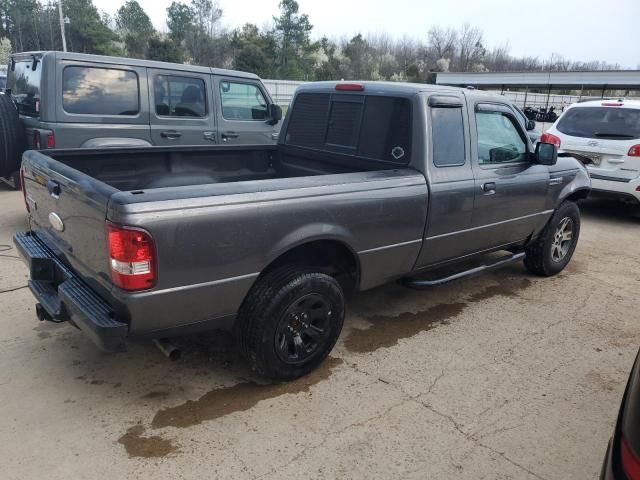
(67, 212)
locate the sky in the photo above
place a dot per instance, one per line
(577, 29)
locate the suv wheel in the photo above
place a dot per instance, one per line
(553, 249)
(290, 321)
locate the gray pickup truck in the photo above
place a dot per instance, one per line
(369, 183)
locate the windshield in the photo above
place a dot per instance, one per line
(24, 83)
(612, 123)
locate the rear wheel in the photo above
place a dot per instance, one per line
(290, 321)
(11, 138)
(553, 249)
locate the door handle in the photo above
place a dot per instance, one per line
(556, 181)
(170, 134)
(489, 188)
(209, 136)
(54, 188)
(228, 135)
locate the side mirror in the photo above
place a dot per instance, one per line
(546, 154)
(275, 114)
(531, 125)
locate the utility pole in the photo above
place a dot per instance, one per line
(64, 38)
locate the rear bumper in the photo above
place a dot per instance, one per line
(66, 297)
(621, 187)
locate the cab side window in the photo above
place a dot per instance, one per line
(447, 131)
(179, 96)
(499, 140)
(242, 101)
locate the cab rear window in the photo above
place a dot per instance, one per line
(100, 91)
(614, 123)
(370, 127)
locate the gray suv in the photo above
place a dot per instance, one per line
(72, 100)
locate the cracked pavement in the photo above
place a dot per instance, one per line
(504, 376)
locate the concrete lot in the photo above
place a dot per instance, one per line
(505, 376)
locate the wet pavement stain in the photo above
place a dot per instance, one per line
(237, 398)
(386, 330)
(137, 445)
(509, 287)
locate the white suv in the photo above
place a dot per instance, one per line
(605, 135)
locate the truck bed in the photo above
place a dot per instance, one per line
(151, 168)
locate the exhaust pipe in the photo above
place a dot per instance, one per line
(169, 350)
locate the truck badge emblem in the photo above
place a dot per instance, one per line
(56, 222)
(397, 152)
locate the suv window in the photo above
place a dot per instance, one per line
(24, 83)
(179, 96)
(613, 123)
(374, 127)
(447, 130)
(242, 101)
(100, 91)
(3, 81)
(498, 139)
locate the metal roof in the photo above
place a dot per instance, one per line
(618, 78)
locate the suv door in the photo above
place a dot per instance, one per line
(181, 108)
(511, 190)
(243, 114)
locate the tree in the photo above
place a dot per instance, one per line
(294, 47)
(87, 32)
(253, 51)
(135, 28)
(470, 49)
(5, 50)
(164, 50)
(328, 67)
(179, 21)
(361, 62)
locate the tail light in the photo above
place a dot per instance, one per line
(630, 461)
(131, 257)
(550, 138)
(51, 140)
(37, 140)
(24, 190)
(634, 151)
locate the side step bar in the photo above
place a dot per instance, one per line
(472, 272)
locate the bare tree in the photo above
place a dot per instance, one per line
(470, 48)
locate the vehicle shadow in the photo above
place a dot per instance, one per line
(610, 210)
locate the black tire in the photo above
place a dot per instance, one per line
(269, 329)
(548, 255)
(11, 137)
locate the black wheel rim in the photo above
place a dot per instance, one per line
(303, 329)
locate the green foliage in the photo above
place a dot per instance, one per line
(179, 21)
(87, 32)
(5, 50)
(164, 50)
(253, 51)
(135, 28)
(294, 56)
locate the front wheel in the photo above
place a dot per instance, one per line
(550, 253)
(290, 321)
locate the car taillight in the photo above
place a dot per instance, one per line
(37, 140)
(630, 461)
(131, 257)
(24, 190)
(550, 138)
(634, 151)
